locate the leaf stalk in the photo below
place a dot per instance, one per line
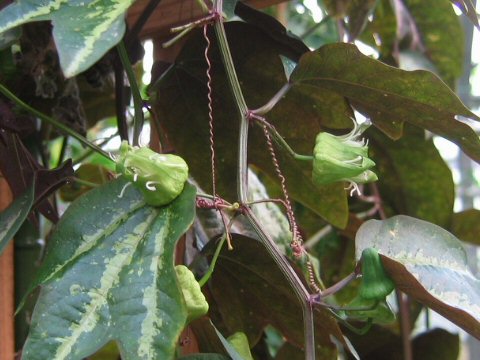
(49, 120)
(138, 118)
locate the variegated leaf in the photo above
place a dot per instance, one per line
(429, 264)
(83, 30)
(110, 275)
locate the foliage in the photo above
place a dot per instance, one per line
(270, 134)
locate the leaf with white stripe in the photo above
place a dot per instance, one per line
(83, 30)
(112, 277)
(428, 263)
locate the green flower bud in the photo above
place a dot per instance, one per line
(376, 284)
(342, 158)
(195, 301)
(160, 177)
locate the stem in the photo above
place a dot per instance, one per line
(281, 141)
(273, 101)
(242, 189)
(89, 152)
(405, 326)
(120, 100)
(201, 4)
(209, 272)
(85, 182)
(56, 124)
(137, 98)
(339, 285)
(63, 149)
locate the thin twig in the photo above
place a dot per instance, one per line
(63, 150)
(120, 105)
(56, 124)
(137, 98)
(405, 326)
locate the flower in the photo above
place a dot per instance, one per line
(342, 158)
(160, 177)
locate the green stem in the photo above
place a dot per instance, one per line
(56, 124)
(359, 331)
(201, 4)
(137, 98)
(89, 152)
(242, 189)
(339, 285)
(281, 141)
(85, 182)
(273, 101)
(209, 272)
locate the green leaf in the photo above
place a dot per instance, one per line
(466, 226)
(13, 217)
(413, 178)
(441, 32)
(108, 352)
(387, 95)
(251, 292)
(429, 264)
(181, 101)
(83, 31)
(109, 275)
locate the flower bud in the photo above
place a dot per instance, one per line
(342, 158)
(376, 284)
(160, 177)
(195, 301)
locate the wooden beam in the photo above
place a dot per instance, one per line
(171, 13)
(7, 306)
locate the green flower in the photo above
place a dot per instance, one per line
(342, 158)
(370, 301)
(160, 177)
